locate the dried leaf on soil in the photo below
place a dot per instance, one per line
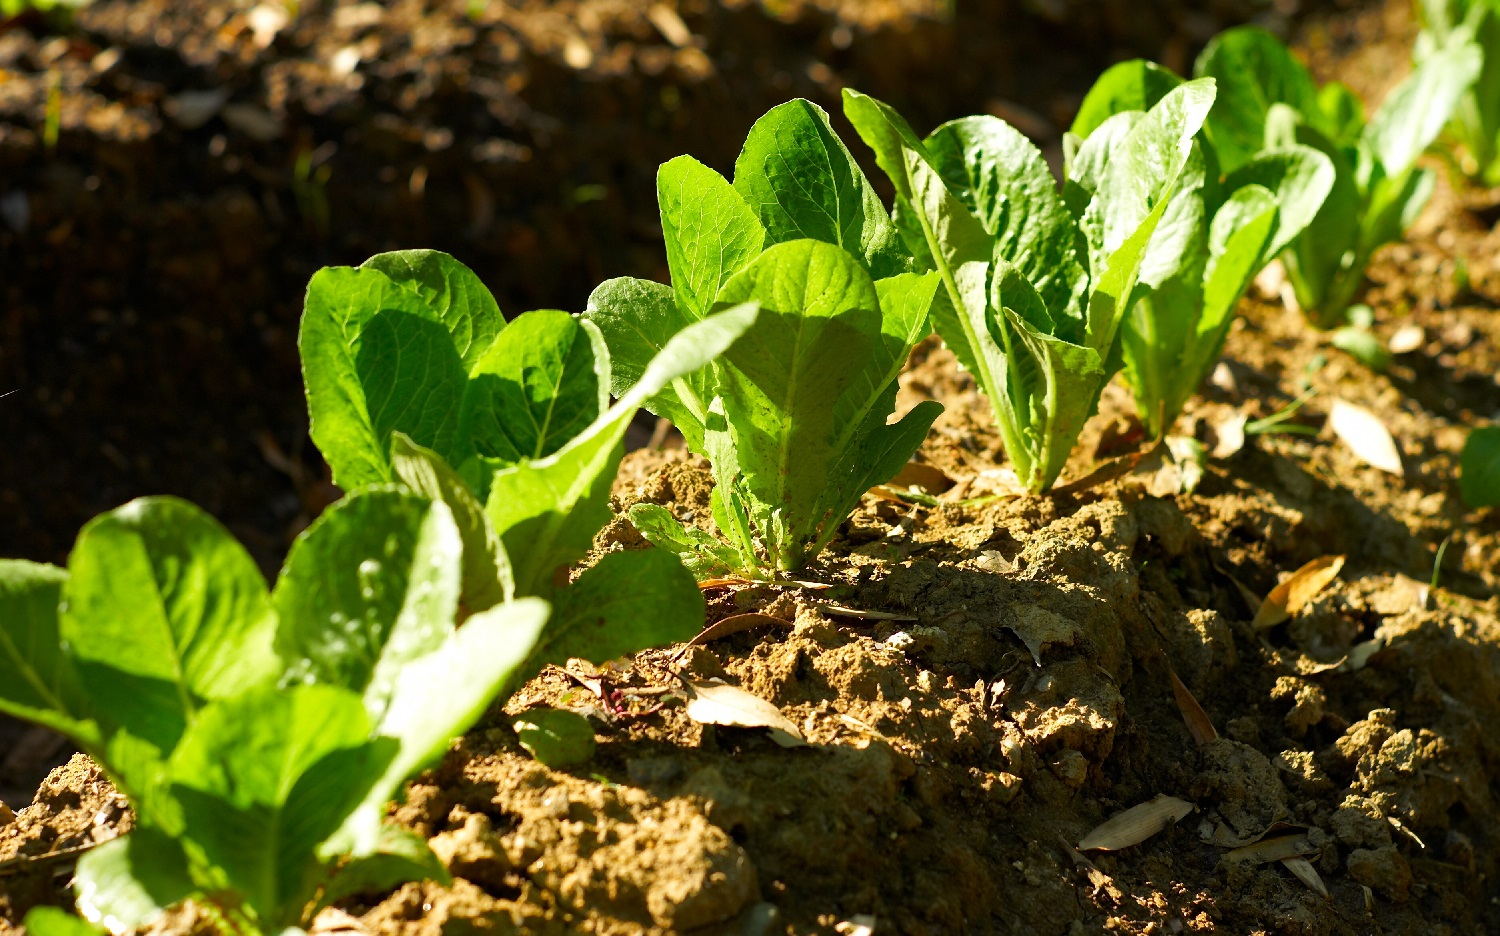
(1273, 849)
(1366, 436)
(842, 611)
(733, 624)
(1136, 824)
(1407, 339)
(1198, 723)
(1307, 874)
(722, 704)
(1299, 588)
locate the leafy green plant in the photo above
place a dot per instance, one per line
(1036, 283)
(1218, 232)
(1479, 467)
(794, 416)
(56, 7)
(413, 376)
(1475, 126)
(1268, 100)
(258, 734)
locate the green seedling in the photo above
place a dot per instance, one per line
(1479, 467)
(1475, 127)
(258, 734)
(1359, 341)
(794, 416)
(1218, 232)
(1268, 100)
(413, 376)
(1036, 283)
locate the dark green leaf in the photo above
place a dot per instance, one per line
(627, 602)
(555, 737)
(38, 681)
(264, 778)
(702, 554)
(1479, 467)
(401, 856)
(128, 882)
(389, 347)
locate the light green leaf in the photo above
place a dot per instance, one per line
(1254, 71)
(711, 233)
(451, 293)
(1299, 177)
(38, 681)
(1479, 467)
(555, 737)
(162, 611)
(700, 553)
(548, 511)
(637, 318)
(1003, 179)
(54, 921)
(128, 882)
(1414, 113)
(487, 578)
(264, 778)
(438, 697)
(1135, 85)
(543, 381)
(802, 182)
(623, 604)
(1141, 173)
(379, 356)
(372, 585)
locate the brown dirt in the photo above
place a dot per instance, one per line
(954, 758)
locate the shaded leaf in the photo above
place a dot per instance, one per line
(1134, 825)
(128, 882)
(164, 610)
(400, 855)
(38, 681)
(371, 586)
(555, 737)
(1479, 467)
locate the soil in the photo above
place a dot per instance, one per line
(1015, 688)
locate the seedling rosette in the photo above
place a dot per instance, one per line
(1475, 127)
(258, 784)
(795, 415)
(1036, 283)
(414, 377)
(1269, 101)
(1218, 232)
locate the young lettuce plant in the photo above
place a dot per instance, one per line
(258, 785)
(413, 376)
(1036, 283)
(1269, 100)
(1475, 126)
(794, 416)
(1218, 232)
